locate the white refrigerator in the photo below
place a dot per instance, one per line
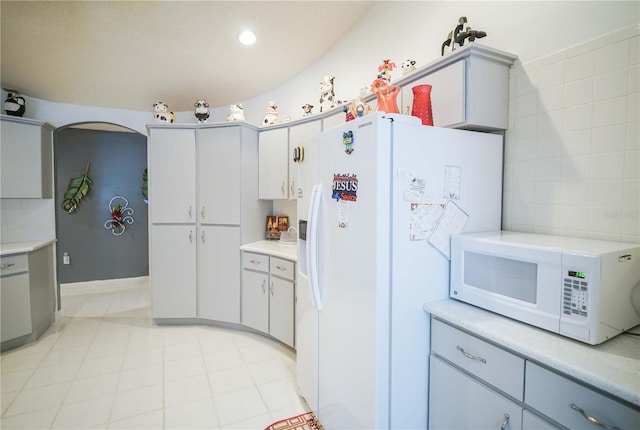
(388, 194)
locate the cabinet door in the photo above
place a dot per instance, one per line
(219, 273)
(172, 179)
(15, 302)
(281, 310)
(273, 164)
(533, 422)
(298, 136)
(173, 271)
(26, 153)
(255, 300)
(456, 401)
(219, 175)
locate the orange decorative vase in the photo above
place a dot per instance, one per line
(422, 104)
(386, 97)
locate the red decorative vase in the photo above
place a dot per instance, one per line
(386, 97)
(422, 104)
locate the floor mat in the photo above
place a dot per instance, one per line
(306, 421)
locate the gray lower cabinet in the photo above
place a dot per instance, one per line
(268, 295)
(475, 384)
(27, 296)
(458, 401)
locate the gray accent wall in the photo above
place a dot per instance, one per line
(117, 161)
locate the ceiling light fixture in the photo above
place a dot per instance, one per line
(247, 37)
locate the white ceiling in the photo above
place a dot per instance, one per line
(130, 54)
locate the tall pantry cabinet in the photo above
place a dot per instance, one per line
(203, 205)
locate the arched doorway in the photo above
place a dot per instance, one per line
(89, 247)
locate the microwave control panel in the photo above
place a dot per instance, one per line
(575, 291)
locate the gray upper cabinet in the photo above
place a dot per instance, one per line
(470, 88)
(26, 158)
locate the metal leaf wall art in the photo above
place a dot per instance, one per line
(78, 188)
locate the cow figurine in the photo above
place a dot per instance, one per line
(14, 105)
(327, 91)
(306, 110)
(202, 111)
(236, 113)
(271, 116)
(408, 66)
(162, 113)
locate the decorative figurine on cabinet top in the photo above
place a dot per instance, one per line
(14, 105)
(327, 92)
(162, 113)
(202, 111)
(306, 110)
(271, 116)
(384, 70)
(457, 36)
(236, 113)
(359, 107)
(408, 66)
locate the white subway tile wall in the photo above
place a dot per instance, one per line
(572, 154)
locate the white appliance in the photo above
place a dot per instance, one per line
(588, 290)
(385, 185)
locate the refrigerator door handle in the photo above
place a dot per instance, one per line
(312, 246)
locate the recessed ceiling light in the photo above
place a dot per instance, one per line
(247, 37)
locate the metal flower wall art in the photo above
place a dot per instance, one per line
(120, 215)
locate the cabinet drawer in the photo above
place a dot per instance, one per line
(14, 264)
(282, 268)
(553, 395)
(496, 366)
(255, 261)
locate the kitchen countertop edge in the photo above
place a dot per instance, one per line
(612, 366)
(273, 248)
(11, 248)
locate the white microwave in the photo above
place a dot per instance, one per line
(588, 290)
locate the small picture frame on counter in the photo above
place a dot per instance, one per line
(275, 226)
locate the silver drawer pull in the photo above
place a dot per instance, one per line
(281, 268)
(591, 419)
(505, 423)
(256, 262)
(4, 266)
(470, 356)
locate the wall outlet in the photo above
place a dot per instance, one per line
(65, 258)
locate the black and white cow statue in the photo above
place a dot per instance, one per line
(327, 92)
(202, 111)
(162, 113)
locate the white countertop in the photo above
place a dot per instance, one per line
(22, 247)
(274, 248)
(613, 366)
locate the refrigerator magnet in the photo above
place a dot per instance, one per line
(347, 140)
(345, 187)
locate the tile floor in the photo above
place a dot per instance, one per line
(105, 365)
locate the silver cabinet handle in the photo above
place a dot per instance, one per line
(281, 268)
(505, 422)
(271, 288)
(4, 266)
(202, 212)
(292, 186)
(202, 236)
(190, 212)
(470, 356)
(256, 262)
(282, 188)
(592, 419)
(264, 290)
(190, 236)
